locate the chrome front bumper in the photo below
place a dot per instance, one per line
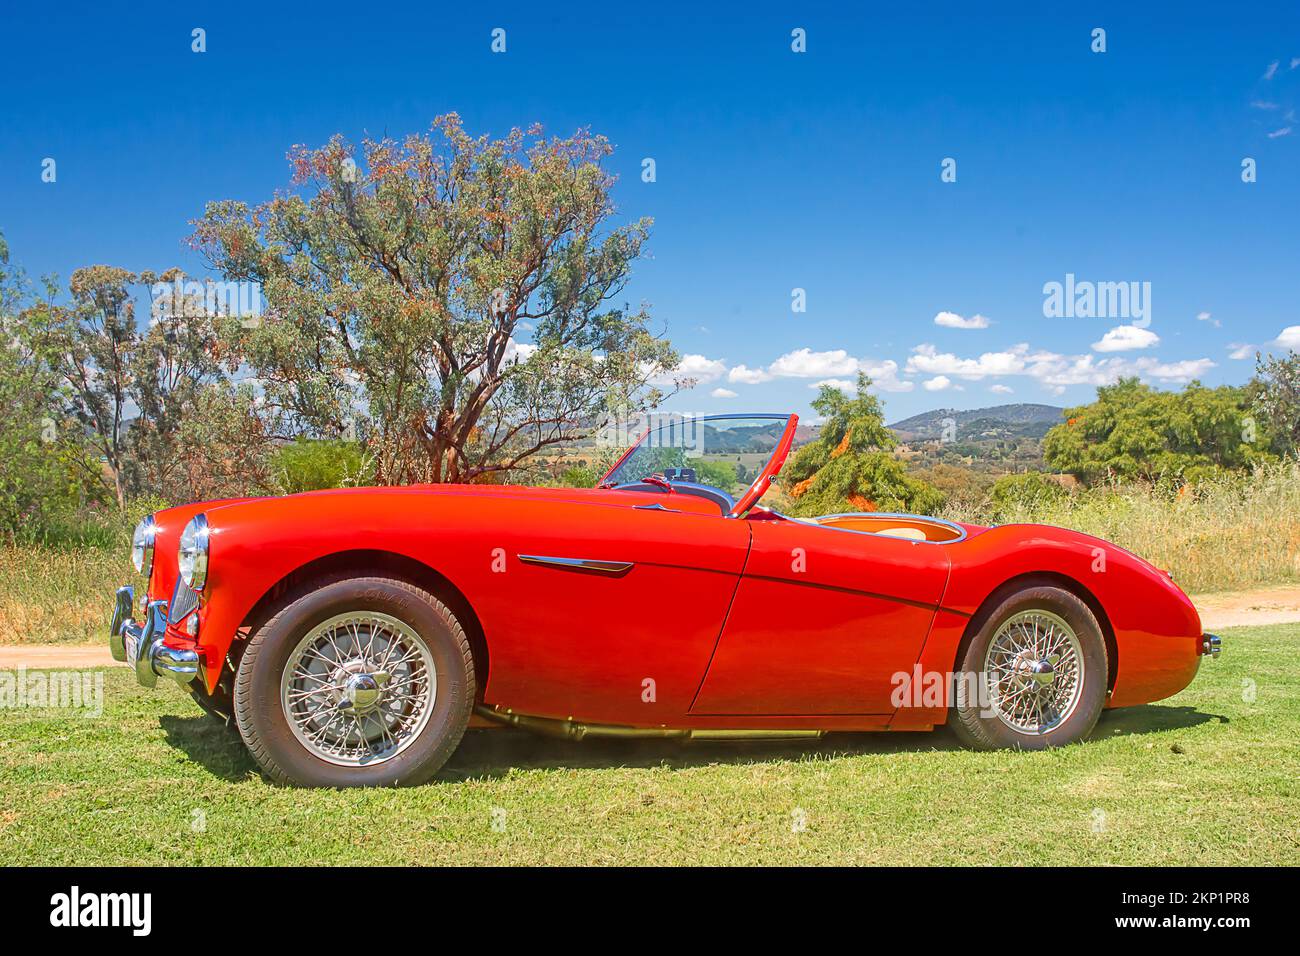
(141, 645)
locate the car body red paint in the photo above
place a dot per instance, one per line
(747, 620)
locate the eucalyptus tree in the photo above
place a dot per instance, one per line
(452, 298)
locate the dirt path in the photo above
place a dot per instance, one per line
(1278, 605)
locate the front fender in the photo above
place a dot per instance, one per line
(255, 545)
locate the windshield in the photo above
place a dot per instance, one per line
(729, 452)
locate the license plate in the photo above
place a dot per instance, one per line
(132, 649)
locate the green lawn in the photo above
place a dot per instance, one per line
(1207, 777)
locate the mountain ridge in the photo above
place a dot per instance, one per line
(1027, 419)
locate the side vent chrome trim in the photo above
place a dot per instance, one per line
(578, 564)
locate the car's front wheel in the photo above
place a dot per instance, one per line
(359, 681)
(1033, 674)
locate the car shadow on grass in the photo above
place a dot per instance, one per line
(493, 753)
(215, 746)
(1150, 719)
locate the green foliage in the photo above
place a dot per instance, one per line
(719, 474)
(314, 464)
(1134, 431)
(149, 410)
(848, 467)
(1012, 494)
(41, 488)
(1275, 399)
(579, 478)
(401, 281)
(958, 484)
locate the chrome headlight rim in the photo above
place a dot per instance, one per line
(192, 555)
(143, 539)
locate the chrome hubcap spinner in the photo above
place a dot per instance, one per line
(1034, 672)
(358, 688)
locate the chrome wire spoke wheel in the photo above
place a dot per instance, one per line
(358, 688)
(1034, 672)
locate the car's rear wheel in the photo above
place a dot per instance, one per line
(362, 681)
(1033, 673)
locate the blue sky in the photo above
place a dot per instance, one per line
(775, 170)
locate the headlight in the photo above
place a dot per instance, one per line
(193, 554)
(142, 545)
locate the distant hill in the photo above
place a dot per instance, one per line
(1022, 420)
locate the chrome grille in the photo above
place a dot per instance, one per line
(184, 599)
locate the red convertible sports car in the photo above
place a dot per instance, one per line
(351, 635)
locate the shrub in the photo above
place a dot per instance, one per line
(310, 464)
(849, 466)
(1012, 494)
(578, 478)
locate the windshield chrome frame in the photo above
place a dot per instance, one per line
(761, 416)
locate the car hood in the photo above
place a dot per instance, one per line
(174, 519)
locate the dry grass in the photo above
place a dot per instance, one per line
(50, 595)
(1229, 533)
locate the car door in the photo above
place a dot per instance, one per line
(610, 614)
(822, 621)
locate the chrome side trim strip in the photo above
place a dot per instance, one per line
(577, 564)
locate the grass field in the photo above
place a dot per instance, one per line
(1211, 776)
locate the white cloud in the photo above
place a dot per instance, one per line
(700, 368)
(884, 376)
(1240, 350)
(722, 393)
(1289, 338)
(843, 384)
(1053, 370)
(748, 376)
(1295, 61)
(1125, 338)
(1271, 71)
(1284, 131)
(517, 352)
(805, 363)
(937, 384)
(834, 364)
(952, 320)
(1085, 370)
(928, 360)
(1206, 317)
(1001, 389)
